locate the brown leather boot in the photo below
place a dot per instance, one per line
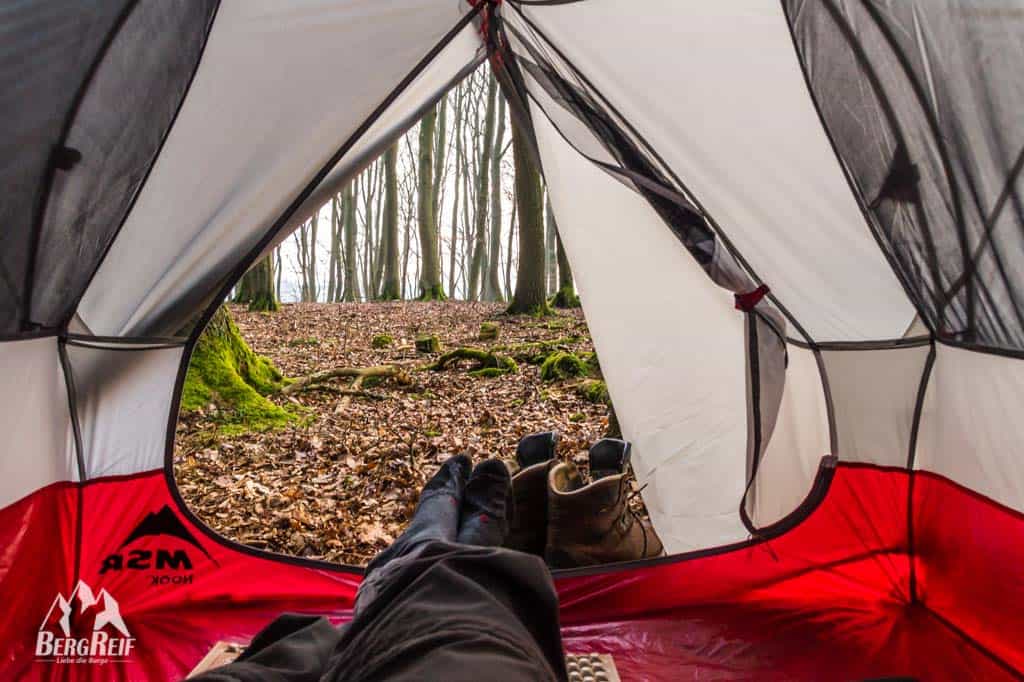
(592, 523)
(528, 529)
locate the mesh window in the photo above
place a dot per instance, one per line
(125, 115)
(922, 101)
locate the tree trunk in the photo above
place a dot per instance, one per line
(430, 273)
(332, 273)
(483, 169)
(492, 285)
(277, 272)
(511, 241)
(312, 285)
(391, 288)
(257, 286)
(566, 296)
(529, 294)
(351, 291)
(550, 256)
(453, 245)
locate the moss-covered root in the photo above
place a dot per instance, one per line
(562, 365)
(427, 343)
(487, 364)
(226, 373)
(566, 298)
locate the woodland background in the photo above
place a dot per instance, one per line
(429, 309)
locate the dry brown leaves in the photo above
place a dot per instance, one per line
(341, 486)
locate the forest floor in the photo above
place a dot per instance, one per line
(340, 482)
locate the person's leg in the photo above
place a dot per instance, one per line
(487, 506)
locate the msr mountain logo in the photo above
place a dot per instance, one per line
(85, 627)
(168, 548)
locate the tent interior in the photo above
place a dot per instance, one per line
(798, 233)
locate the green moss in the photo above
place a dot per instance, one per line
(566, 298)
(433, 294)
(382, 340)
(595, 391)
(488, 331)
(226, 373)
(428, 343)
(577, 417)
(264, 303)
(536, 352)
(307, 341)
(488, 364)
(562, 365)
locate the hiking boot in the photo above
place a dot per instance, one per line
(535, 455)
(592, 523)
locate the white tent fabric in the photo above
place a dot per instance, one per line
(678, 386)
(743, 135)
(251, 134)
(971, 426)
(35, 420)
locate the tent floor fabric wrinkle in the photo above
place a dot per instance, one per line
(826, 600)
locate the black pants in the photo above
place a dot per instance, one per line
(441, 612)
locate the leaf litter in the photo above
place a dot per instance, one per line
(341, 483)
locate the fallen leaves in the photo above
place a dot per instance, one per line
(341, 484)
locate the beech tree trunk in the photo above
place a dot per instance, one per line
(483, 170)
(257, 286)
(529, 296)
(550, 256)
(492, 285)
(430, 273)
(391, 287)
(351, 290)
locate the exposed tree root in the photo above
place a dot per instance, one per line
(488, 364)
(359, 375)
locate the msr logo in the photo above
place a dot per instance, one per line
(85, 627)
(170, 555)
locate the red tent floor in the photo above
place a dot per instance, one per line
(829, 599)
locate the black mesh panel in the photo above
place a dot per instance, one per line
(127, 111)
(46, 52)
(923, 101)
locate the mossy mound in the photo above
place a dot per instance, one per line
(562, 365)
(428, 343)
(382, 341)
(487, 364)
(226, 373)
(536, 352)
(488, 331)
(595, 391)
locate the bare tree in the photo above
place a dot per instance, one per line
(391, 287)
(483, 169)
(529, 294)
(430, 273)
(351, 289)
(492, 285)
(257, 286)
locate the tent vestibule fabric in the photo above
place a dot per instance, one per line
(797, 229)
